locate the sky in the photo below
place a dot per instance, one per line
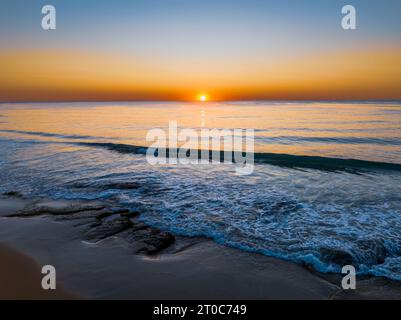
(181, 49)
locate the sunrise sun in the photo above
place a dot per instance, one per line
(203, 98)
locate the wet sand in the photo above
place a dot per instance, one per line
(20, 279)
(187, 269)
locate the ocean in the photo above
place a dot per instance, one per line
(325, 190)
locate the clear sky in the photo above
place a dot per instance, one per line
(180, 49)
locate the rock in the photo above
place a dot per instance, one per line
(108, 228)
(139, 226)
(374, 251)
(14, 194)
(56, 209)
(112, 211)
(336, 256)
(130, 214)
(158, 241)
(151, 240)
(85, 223)
(98, 221)
(112, 217)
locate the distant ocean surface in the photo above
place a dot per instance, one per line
(325, 192)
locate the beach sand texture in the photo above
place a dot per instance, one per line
(111, 268)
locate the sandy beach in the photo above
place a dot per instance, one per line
(20, 278)
(112, 268)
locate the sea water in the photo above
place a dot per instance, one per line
(325, 190)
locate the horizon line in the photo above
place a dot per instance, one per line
(198, 102)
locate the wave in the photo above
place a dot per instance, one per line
(51, 135)
(334, 140)
(276, 159)
(395, 103)
(282, 160)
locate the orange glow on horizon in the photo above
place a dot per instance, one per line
(69, 75)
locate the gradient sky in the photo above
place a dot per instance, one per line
(178, 49)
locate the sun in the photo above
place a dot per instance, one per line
(203, 98)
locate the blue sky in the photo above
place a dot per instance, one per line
(232, 49)
(185, 27)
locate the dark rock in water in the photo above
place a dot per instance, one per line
(81, 215)
(84, 224)
(130, 214)
(108, 228)
(112, 211)
(56, 209)
(119, 210)
(139, 226)
(100, 220)
(112, 217)
(374, 251)
(336, 256)
(14, 194)
(92, 222)
(146, 239)
(143, 238)
(157, 240)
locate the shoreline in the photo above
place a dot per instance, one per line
(118, 263)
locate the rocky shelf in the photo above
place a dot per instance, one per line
(98, 221)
